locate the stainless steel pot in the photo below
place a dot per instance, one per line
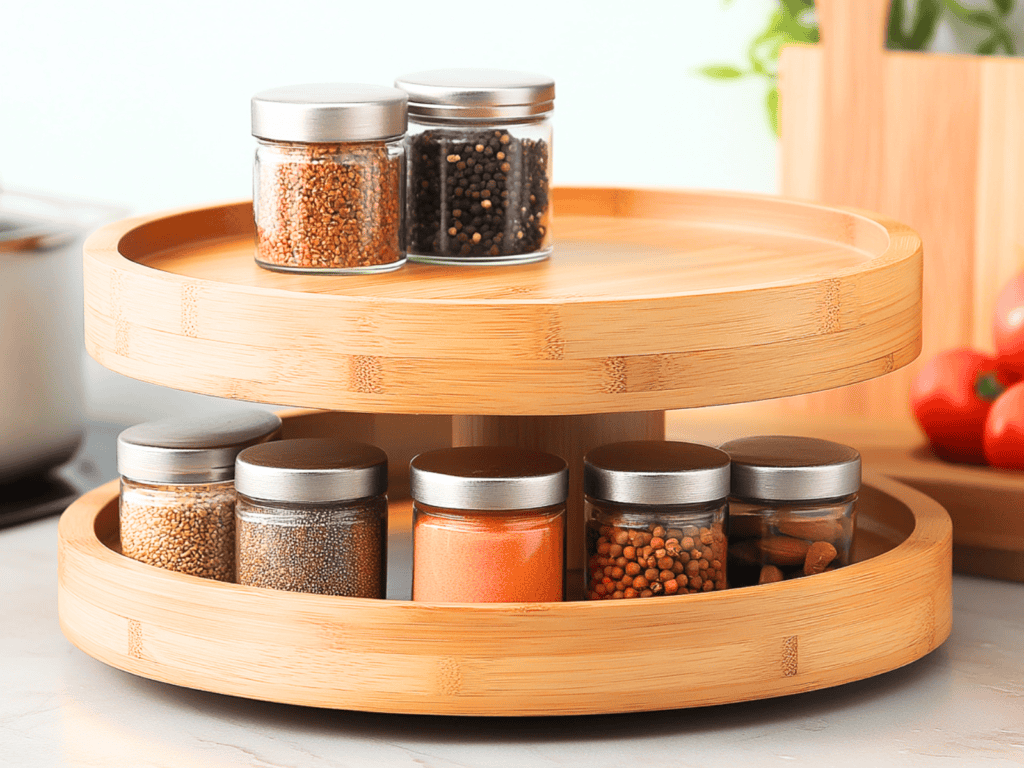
(41, 349)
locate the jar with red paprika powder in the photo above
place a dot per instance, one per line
(488, 525)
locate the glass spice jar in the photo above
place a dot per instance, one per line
(177, 501)
(312, 516)
(479, 166)
(488, 525)
(793, 507)
(657, 518)
(329, 178)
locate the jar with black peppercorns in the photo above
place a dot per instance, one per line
(177, 502)
(329, 178)
(312, 516)
(793, 507)
(479, 166)
(657, 519)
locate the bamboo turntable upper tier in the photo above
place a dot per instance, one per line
(652, 300)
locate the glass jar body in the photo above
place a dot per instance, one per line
(775, 540)
(647, 550)
(329, 207)
(185, 528)
(479, 193)
(512, 556)
(326, 549)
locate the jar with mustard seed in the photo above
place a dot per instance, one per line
(793, 507)
(177, 499)
(479, 160)
(312, 516)
(657, 517)
(329, 178)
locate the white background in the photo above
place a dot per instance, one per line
(147, 105)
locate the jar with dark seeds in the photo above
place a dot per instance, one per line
(479, 166)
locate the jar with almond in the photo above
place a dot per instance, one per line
(792, 509)
(657, 516)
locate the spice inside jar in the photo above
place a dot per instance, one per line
(793, 507)
(329, 178)
(312, 517)
(479, 166)
(488, 525)
(656, 519)
(177, 499)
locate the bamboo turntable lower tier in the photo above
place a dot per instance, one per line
(890, 607)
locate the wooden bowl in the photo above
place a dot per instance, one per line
(890, 607)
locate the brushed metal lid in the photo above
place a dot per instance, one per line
(782, 468)
(489, 478)
(312, 471)
(191, 449)
(324, 112)
(472, 94)
(656, 472)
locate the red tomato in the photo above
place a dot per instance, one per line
(1008, 326)
(1004, 429)
(951, 396)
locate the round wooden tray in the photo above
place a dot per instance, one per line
(890, 607)
(652, 300)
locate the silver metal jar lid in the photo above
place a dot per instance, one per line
(472, 94)
(322, 112)
(489, 478)
(191, 450)
(656, 472)
(781, 468)
(312, 471)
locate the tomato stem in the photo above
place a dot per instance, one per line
(988, 387)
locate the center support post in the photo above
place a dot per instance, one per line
(567, 436)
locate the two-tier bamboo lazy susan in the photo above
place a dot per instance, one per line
(651, 301)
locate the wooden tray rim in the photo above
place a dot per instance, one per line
(105, 244)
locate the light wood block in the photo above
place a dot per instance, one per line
(652, 300)
(890, 607)
(932, 140)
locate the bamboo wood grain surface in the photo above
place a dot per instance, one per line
(890, 607)
(932, 140)
(652, 300)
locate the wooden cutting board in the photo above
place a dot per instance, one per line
(935, 141)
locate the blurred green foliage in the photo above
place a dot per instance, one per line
(912, 25)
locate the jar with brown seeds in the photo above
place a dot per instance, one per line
(312, 517)
(793, 507)
(661, 508)
(329, 178)
(177, 498)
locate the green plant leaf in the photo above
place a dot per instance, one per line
(773, 109)
(987, 47)
(926, 19)
(1005, 7)
(721, 71)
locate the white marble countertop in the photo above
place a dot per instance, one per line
(961, 705)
